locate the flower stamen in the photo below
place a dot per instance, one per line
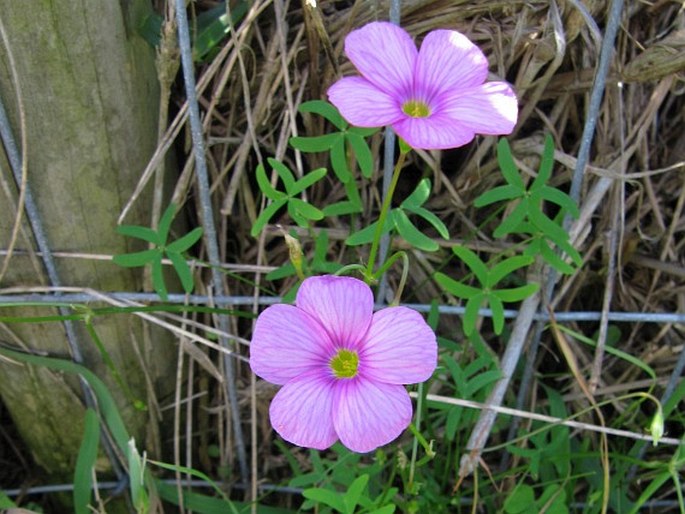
(344, 364)
(416, 109)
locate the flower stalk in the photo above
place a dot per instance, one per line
(369, 275)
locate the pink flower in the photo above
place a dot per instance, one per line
(434, 98)
(341, 365)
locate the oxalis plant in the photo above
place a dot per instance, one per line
(342, 367)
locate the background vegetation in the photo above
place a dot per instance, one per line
(99, 110)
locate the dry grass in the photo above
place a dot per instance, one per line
(283, 54)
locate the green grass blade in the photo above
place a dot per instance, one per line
(85, 462)
(639, 363)
(136, 471)
(106, 403)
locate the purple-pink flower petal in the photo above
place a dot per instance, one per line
(448, 60)
(301, 412)
(287, 342)
(369, 414)
(487, 109)
(438, 132)
(384, 54)
(400, 348)
(364, 105)
(343, 306)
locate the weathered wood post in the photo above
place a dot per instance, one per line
(87, 85)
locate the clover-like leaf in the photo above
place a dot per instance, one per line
(353, 204)
(339, 161)
(313, 144)
(476, 265)
(419, 196)
(185, 242)
(456, 288)
(367, 234)
(307, 181)
(410, 233)
(326, 110)
(144, 233)
(284, 174)
(507, 165)
(182, 270)
(413, 203)
(154, 256)
(135, 259)
(498, 194)
(158, 278)
(265, 185)
(487, 294)
(300, 211)
(165, 223)
(266, 215)
(362, 153)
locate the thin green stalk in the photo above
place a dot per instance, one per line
(415, 445)
(387, 201)
(405, 272)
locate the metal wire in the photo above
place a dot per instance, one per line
(452, 310)
(208, 224)
(265, 488)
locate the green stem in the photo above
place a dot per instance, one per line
(385, 208)
(415, 445)
(403, 279)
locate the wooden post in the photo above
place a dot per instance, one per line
(86, 82)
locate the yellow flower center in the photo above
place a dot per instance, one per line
(416, 109)
(344, 364)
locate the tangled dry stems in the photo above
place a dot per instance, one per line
(283, 54)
